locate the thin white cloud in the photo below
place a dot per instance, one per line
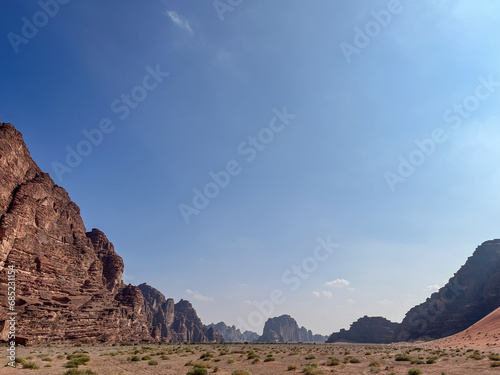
(198, 296)
(247, 302)
(178, 20)
(323, 293)
(338, 283)
(432, 288)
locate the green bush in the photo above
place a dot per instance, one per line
(312, 370)
(31, 365)
(80, 372)
(402, 357)
(240, 372)
(201, 364)
(333, 361)
(153, 363)
(476, 355)
(414, 371)
(20, 360)
(431, 360)
(197, 371)
(75, 361)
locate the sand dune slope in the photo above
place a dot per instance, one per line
(481, 335)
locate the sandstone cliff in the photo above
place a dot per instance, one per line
(369, 330)
(471, 294)
(68, 281)
(175, 322)
(232, 334)
(285, 329)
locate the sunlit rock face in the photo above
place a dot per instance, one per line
(68, 282)
(175, 322)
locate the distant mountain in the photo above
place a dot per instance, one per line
(232, 334)
(285, 329)
(175, 322)
(367, 330)
(471, 294)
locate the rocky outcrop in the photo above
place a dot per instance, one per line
(175, 322)
(232, 334)
(471, 294)
(307, 336)
(285, 329)
(68, 282)
(366, 330)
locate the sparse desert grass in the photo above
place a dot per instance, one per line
(240, 372)
(80, 372)
(257, 359)
(197, 371)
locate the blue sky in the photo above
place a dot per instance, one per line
(340, 167)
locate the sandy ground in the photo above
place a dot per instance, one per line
(171, 359)
(484, 335)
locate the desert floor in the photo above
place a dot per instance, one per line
(257, 359)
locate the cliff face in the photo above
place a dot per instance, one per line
(175, 322)
(232, 334)
(471, 294)
(369, 330)
(285, 329)
(68, 282)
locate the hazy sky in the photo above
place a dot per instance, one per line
(372, 125)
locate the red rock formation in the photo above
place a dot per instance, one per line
(175, 322)
(68, 281)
